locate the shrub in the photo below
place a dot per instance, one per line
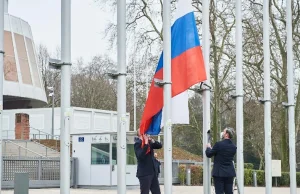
(284, 180)
(182, 174)
(248, 166)
(196, 175)
(248, 177)
(260, 177)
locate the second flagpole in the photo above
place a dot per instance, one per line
(206, 96)
(167, 97)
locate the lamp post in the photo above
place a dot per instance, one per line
(51, 94)
(65, 123)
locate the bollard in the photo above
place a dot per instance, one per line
(254, 179)
(21, 185)
(188, 176)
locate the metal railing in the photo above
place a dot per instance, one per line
(47, 149)
(42, 172)
(37, 136)
(22, 151)
(41, 133)
(8, 134)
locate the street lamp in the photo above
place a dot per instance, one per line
(65, 68)
(51, 94)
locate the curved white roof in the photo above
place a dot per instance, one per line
(22, 77)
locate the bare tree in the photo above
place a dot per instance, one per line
(50, 77)
(254, 57)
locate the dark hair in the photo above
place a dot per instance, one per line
(230, 132)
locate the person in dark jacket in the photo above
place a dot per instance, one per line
(146, 170)
(223, 170)
(157, 164)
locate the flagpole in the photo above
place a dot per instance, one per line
(239, 97)
(167, 97)
(121, 103)
(206, 96)
(291, 103)
(65, 96)
(134, 95)
(267, 99)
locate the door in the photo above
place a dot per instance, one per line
(100, 160)
(81, 149)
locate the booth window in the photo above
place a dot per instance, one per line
(131, 158)
(100, 153)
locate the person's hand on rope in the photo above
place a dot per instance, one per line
(146, 139)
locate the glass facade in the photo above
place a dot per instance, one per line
(23, 59)
(10, 68)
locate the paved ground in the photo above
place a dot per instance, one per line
(176, 189)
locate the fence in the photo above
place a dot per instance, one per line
(175, 169)
(42, 173)
(34, 134)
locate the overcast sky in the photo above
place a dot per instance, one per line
(88, 24)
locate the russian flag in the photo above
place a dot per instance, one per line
(188, 69)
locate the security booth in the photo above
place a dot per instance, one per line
(97, 159)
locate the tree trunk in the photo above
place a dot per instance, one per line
(216, 62)
(283, 121)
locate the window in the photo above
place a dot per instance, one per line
(131, 158)
(100, 153)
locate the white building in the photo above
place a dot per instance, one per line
(94, 141)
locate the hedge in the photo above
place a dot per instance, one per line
(197, 176)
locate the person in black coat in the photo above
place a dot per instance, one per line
(223, 169)
(157, 164)
(146, 169)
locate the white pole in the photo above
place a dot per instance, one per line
(134, 96)
(267, 99)
(239, 97)
(53, 97)
(291, 103)
(121, 104)
(65, 96)
(1, 81)
(206, 96)
(167, 97)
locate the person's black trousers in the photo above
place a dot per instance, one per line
(223, 185)
(149, 183)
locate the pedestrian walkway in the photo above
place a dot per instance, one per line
(176, 190)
